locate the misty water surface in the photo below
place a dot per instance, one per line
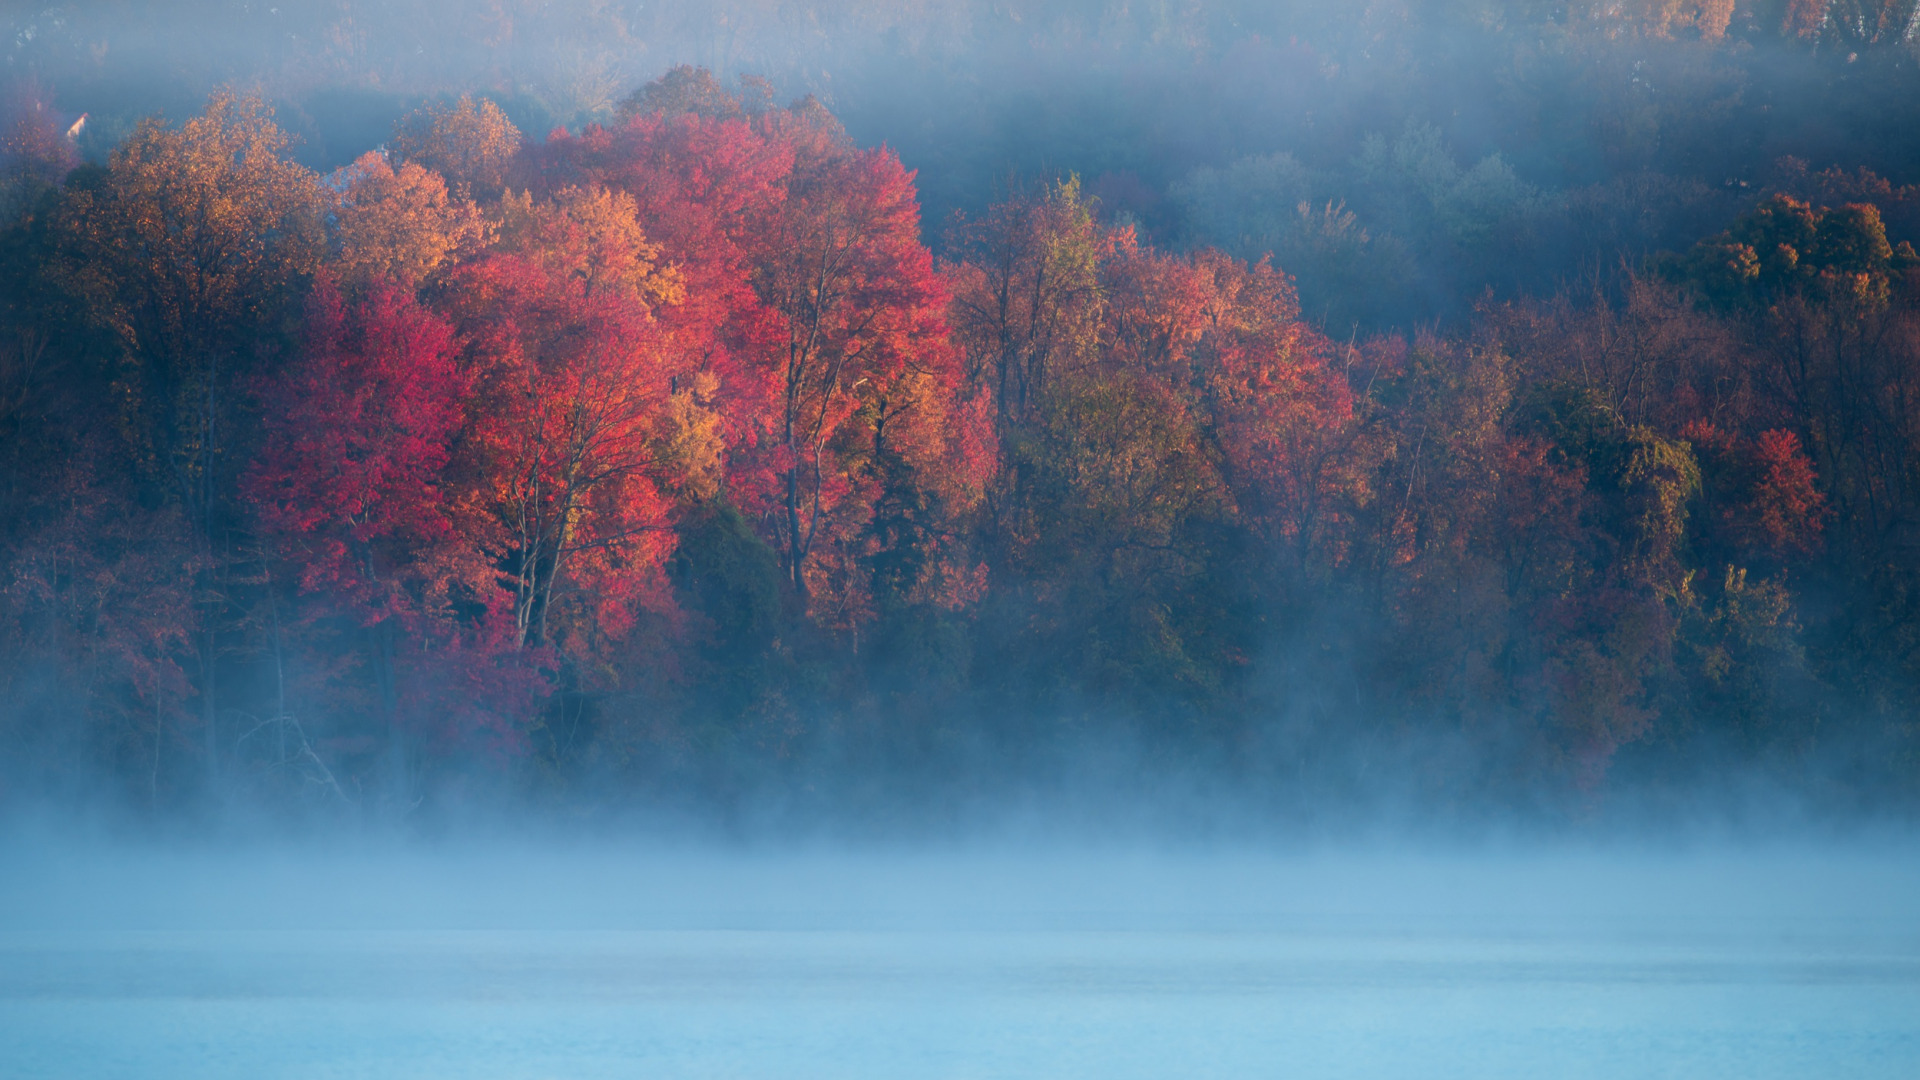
(643, 962)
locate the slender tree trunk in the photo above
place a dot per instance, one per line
(153, 775)
(279, 674)
(210, 686)
(398, 782)
(210, 714)
(794, 555)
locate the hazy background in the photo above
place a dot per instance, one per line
(1403, 161)
(1656, 115)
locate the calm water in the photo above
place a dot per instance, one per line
(578, 966)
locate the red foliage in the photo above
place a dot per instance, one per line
(1786, 509)
(563, 464)
(1228, 337)
(472, 688)
(1765, 489)
(356, 436)
(704, 190)
(865, 344)
(811, 298)
(351, 479)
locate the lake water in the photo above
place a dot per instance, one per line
(635, 964)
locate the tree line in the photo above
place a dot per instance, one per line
(663, 455)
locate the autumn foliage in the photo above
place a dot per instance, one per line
(668, 451)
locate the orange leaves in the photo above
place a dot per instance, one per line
(1663, 18)
(400, 225)
(703, 358)
(1166, 424)
(1804, 18)
(470, 143)
(1157, 309)
(1786, 246)
(861, 314)
(1283, 414)
(702, 190)
(591, 236)
(194, 235)
(1051, 300)
(1028, 301)
(1227, 338)
(693, 439)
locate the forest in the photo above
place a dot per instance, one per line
(875, 410)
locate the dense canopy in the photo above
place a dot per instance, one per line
(673, 454)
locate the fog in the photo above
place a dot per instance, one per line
(490, 957)
(1324, 539)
